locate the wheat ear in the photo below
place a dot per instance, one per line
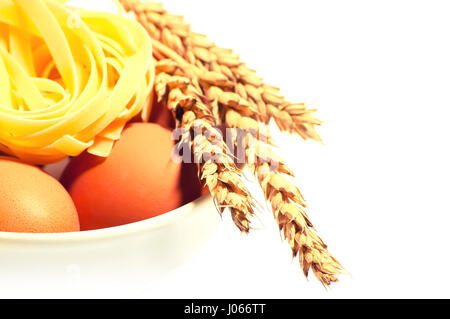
(223, 69)
(216, 168)
(242, 101)
(287, 203)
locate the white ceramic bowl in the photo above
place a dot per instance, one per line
(117, 261)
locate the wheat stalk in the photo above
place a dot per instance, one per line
(240, 100)
(288, 209)
(265, 101)
(288, 205)
(216, 169)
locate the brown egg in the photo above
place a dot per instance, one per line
(31, 201)
(139, 179)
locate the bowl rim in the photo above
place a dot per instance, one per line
(152, 223)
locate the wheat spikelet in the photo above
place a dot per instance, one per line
(216, 169)
(225, 70)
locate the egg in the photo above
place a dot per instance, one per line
(137, 181)
(31, 201)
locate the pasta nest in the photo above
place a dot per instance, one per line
(70, 79)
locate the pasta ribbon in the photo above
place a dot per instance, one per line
(70, 79)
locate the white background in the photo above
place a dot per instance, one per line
(379, 72)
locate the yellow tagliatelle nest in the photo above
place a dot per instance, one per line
(70, 79)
